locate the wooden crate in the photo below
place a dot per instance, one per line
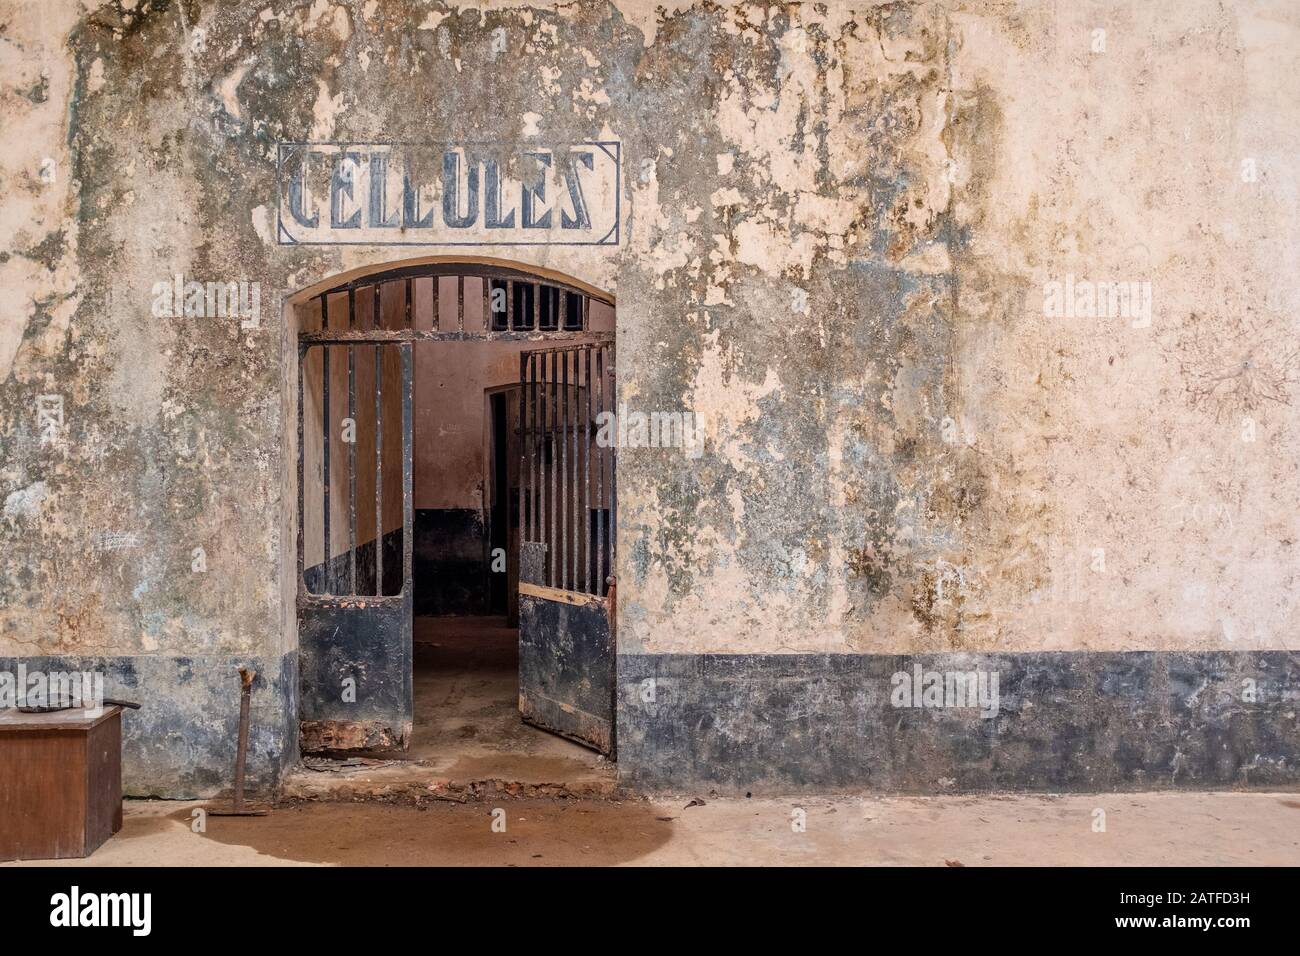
(60, 783)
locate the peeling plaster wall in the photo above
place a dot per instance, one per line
(908, 455)
(839, 219)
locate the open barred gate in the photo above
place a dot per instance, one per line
(355, 599)
(356, 387)
(567, 531)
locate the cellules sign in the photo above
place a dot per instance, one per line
(466, 195)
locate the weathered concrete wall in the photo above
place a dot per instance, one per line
(839, 220)
(922, 460)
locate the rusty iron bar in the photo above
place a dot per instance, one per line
(532, 447)
(539, 375)
(570, 387)
(577, 405)
(408, 464)
(528, 479)
(543, 456)
(352, 447)
(525, 411)
(570, 471)
(564, 480)
(586, 481)
(525, 445)
(553, 387)
(613, 488)
(379, 470)
(523, 448)
(376, 322)
(302, 493)
(557, 463)
(460, 303)
(325, 459)
(352, 471)
(238, 808)
(525, 362)
(571, 438)
(246, 676)
(544, 482)
(600, 479)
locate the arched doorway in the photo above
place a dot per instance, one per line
(453, 505)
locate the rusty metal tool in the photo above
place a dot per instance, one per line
(238, 807)
(69, 705)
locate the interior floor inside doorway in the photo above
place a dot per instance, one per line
(467, 735)
(467, 723)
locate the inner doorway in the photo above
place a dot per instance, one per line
(428, 635)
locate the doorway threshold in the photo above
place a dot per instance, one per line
(351, 779)
(468, 741)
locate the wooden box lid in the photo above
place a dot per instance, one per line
(15, 721)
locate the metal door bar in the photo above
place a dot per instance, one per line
(564, 495)
(328, 591)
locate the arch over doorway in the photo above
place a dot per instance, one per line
(447, 265)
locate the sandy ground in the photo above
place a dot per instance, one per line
(1141, 829)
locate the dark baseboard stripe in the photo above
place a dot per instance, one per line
(1065, 721)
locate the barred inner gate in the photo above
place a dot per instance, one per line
(566, 588)
(358, 394)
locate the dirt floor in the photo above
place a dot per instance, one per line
(467, 733)
(1141, 829)
(471, 756)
